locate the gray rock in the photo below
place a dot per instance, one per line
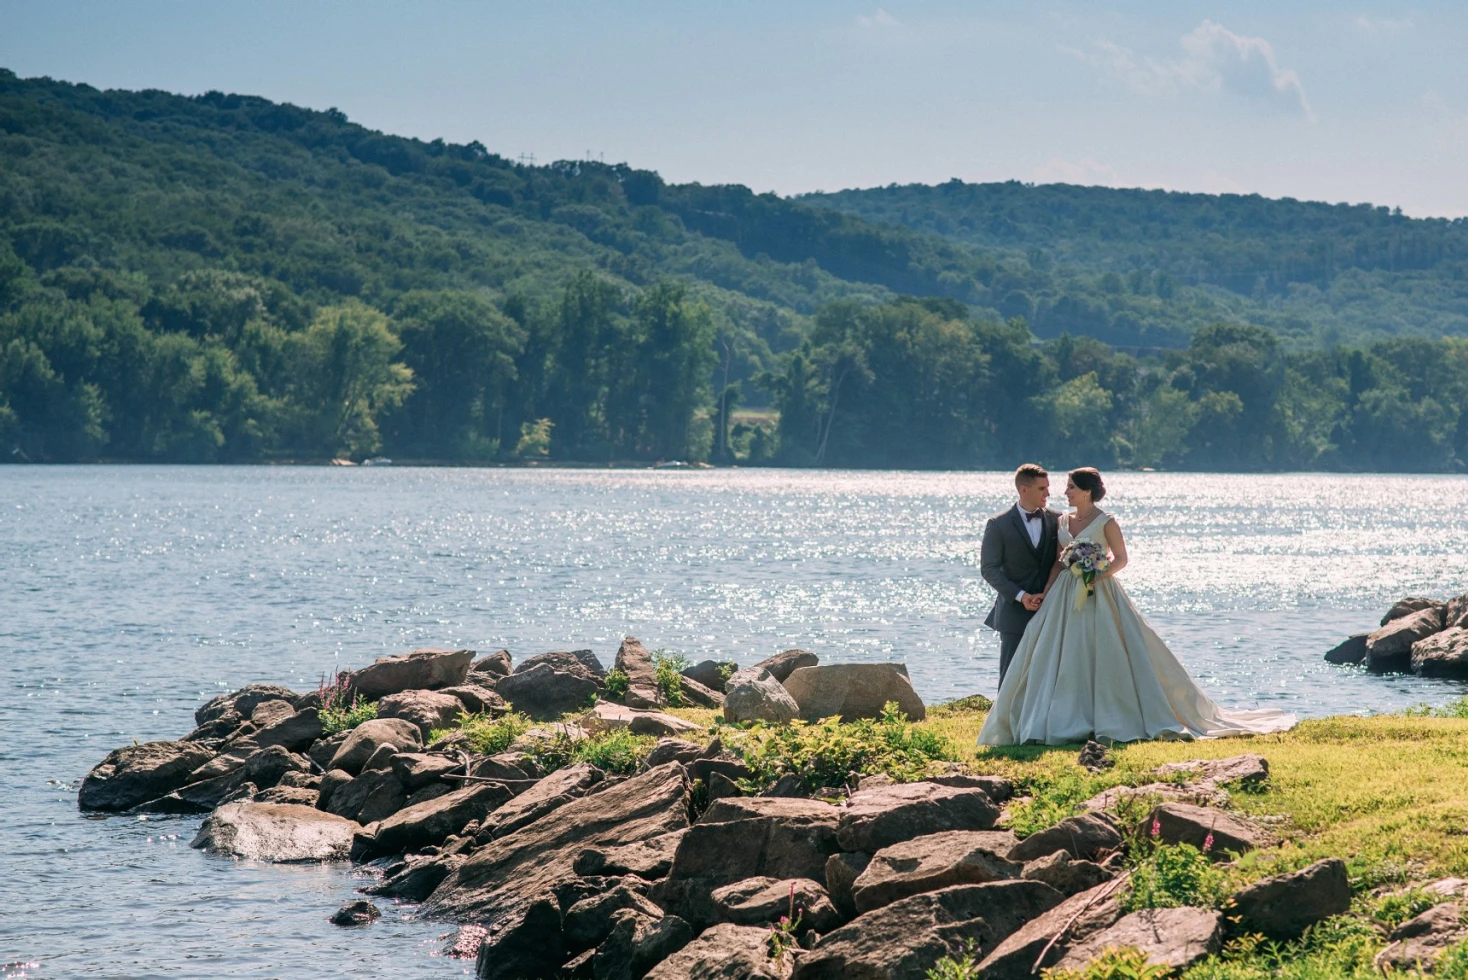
(243, 702)
(135, 774)
(762, 901)
(426, 710)
(642, 677)
(1175, 938)
(998, 788)
(692, 692)
(903, 940)
(673, 750)
(322, 751)
(1455, 613)
(1060, 928)
(607, 715)
(375, 795)
(268, 713)
(589, 921)
(358, 913)
(637, 943)
(885, 815)
(1390, 648)
(417, 769)
(522, 946)
(294, 731)
(1443, 654)
(754, 695)
(497, 664)
(1350, 651)
(432, 822)
(278, 832)
(421, 670)
(574, 661)
(330, 783)
(288, 794)
(1282, 907)
(1405, 607)
(1179, 823)
(367, 737)
(432, 792)
(741, 838)
(711, 673)
(478, 700)
(1246, 771)
(416, 878)
(1065, 874)
(782, 665)
(546, 692)
(931, 862)
(1087, 836)
(380, 759)
(725, 952)
(551, 793)
(1418, 943)
(842, 870)
(649, 859)
(853, 691)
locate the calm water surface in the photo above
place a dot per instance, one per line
(130, 594)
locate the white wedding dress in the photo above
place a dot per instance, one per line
(1100, 671)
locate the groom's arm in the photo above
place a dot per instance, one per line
(991, 563)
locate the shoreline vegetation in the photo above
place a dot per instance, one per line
(809, 820)
(222, 278)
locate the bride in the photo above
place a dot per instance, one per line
(1090, 666)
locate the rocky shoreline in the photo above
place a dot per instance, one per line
(692, 858)
(1427, 637)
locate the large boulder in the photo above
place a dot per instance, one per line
(1065, 874)
(1390, 648)
(1282, 907)
(243, 702)
(421, 670)
(1052, 934)
(1350, 651)
(746, 837)
(1418, 943)
(1247, 771)
(853, 691)
(267, 713)
(575, 661)
(477, 699)
(903, 940)
(550, 793)
(842, 870)
(637, 943)
(506, 880)
(426, 710)
(763, 901)
(711, 673)
(642, 677)
(293, 732)
(885, 815)
(280, 832)
(931, 862)
(1174, 938)
(692, 692)
(135, 774)
(263, 769)
(1181, 823)
(1406, 607)
(1087, 836)
(431, 822)
(1455, 613)
(608, 715)
(544, 691)
(725, 952)
(523, 946)
(673, 750)
(372, 796)
(589, 921)
(370, 736)
(497, 664)
(753, 694)
(648, 859)
(416, 770)
(782, 665)
(1443, 654)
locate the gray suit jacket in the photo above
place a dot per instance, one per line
(1011, 564)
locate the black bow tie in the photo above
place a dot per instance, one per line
(1034, 515)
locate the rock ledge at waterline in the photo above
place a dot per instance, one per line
(676, 869)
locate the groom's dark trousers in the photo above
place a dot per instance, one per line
(1012, 563)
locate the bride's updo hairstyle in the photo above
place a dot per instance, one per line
(1088, 478)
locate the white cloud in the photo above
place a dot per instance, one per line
(1214, 59)
(1382, 26)
(879, 19)
(1086, 171)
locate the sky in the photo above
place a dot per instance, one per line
(1329, 101)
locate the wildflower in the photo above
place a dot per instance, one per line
(1208, 842)
(1156, 827)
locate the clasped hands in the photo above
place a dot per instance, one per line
(1032, 601)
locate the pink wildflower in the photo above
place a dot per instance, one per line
(1208, 842)
(1156, 827)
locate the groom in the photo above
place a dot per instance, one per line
(1016, 557)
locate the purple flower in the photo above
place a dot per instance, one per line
(1156, 827)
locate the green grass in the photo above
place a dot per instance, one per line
(670, 667)
(485, 733)
(340, 719)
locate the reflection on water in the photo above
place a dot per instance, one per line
(133, 593)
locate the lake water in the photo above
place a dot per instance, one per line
(130, 594)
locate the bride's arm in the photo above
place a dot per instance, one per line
(1117, 544)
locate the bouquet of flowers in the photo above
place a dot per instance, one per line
(1086, 560)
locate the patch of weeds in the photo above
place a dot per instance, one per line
(826, 754)
(1175, 875)
(726, 671)
(974, 702)
(1393, 909)
(617, 751)
(1340, 948)
(783, 934)
(1055, 793)
(963, 967)
(484, 733)
(342, 708)
(1453, 964)
(1115, 963)
(669, 668)
(1456, 708)
(616, 683)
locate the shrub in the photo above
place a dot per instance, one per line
(670, 669)
(726, 670)
(974, 702)
(1173, 875)
(1393, 909)
(342, 708)
(616, 683)
(965, 967)
(1054, 795)
(616, 751)
(826, 754)
(484, 733)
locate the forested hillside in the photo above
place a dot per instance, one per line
(224, 278)
(1115, 263)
